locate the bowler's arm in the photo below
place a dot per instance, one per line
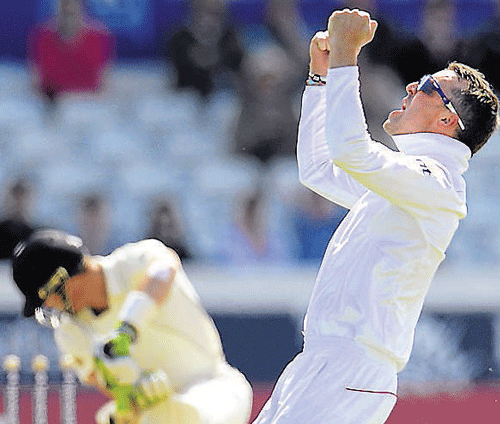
(418, 185)
(316, 168)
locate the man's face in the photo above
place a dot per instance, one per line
(421, 112)
(69, 8)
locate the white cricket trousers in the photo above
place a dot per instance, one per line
(333, 381)
(225, 399)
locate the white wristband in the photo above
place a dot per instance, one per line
(138, 309)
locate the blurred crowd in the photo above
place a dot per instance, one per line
(204, 160)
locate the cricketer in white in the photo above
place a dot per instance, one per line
(404, 208)
(180, 339)
(135, 328)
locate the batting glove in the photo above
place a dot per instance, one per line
(108, 414)
(114, 353)
(152, 388)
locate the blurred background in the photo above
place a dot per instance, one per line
(177, 119)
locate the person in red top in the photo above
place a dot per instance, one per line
(69, 53)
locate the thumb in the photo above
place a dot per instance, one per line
(373, 26)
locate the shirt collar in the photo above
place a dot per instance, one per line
(449, 151)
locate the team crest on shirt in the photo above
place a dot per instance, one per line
(424, 168)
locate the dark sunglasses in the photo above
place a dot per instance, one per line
(428, 84)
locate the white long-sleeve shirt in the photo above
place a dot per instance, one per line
(404, 208)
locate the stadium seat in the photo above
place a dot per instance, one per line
(18, 111)
(116, 146)
(87, 113)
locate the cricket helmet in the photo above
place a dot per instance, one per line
(37, 259)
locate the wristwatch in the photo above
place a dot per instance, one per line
(315, 79)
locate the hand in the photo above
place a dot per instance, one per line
(114, 354)
(319, 51)
(151, 388)
(348, 32)
(123, 394)
(107, 414)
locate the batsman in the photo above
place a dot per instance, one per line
(135, 328)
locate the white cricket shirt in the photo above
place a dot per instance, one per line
(182, 339)
(404, 208)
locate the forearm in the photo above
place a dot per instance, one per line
(316, 169)
(141, 304)
(343, 57)
(312, 150)
(346, 129)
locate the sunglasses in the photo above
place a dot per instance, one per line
(428, 84)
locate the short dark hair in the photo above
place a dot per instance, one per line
(477, 106)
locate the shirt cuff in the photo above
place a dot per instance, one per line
(344, 70)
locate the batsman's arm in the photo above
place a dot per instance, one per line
(139, 309)
(141, 305)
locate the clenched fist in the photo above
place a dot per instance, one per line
(319, 51)
(348, 31)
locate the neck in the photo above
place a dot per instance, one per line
(69, 28)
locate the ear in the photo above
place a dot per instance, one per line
(448, 123)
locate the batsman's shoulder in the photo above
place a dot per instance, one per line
(157, 247)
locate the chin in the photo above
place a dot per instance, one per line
(388, 127)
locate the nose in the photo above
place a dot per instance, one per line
(411, 88)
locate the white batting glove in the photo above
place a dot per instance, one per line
(152, 387)
(106, 413)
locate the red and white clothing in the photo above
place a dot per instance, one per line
(404, 208)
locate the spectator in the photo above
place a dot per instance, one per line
(285, 23)
(483, 50)
(273, 76)
(70, 52)
(384, 48)
(17, 221)
(166, 226)
(204, 49)
(95, 223)
(250, 238)
(267, 124)
(314, 220)
(436, 46)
